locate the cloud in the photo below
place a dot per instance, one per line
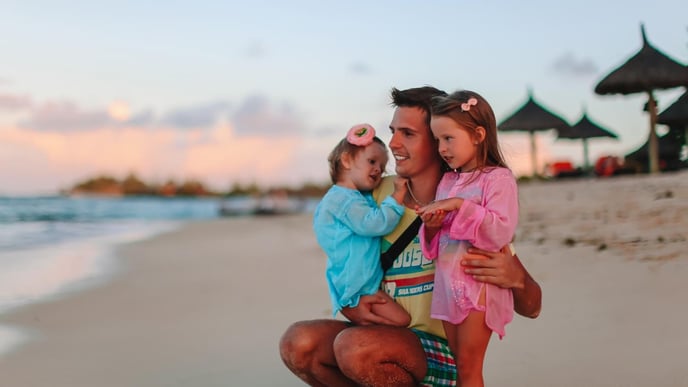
(360, 68)
(258, 116)
(568, 65)
(255, 49)
(143, 118)
(200, 116)
(10, 102)
(255, 116)
(65, 116)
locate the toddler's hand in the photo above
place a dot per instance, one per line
(400, 184)
(400, 189)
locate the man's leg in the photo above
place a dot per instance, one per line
(378, 355)
(307, 350)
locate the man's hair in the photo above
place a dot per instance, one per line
(420, 97)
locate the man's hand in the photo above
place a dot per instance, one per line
(363, 314)
(506, 271)
(497, 268)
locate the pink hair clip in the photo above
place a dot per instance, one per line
(466, 106)
(361, 134)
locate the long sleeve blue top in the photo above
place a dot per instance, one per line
(348, 225)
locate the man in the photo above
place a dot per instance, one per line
(337, 353)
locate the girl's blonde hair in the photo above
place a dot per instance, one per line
(470, 116)
(335, 157)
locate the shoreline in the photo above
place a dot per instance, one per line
(178, 312)
(49, 273)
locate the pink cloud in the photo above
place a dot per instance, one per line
(53, 160)
(9, 102)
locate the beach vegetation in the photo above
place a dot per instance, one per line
(133, 185)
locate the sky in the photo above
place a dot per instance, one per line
(259, 92)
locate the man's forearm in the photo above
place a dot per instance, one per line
(527, 299)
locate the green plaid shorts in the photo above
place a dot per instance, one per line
(441, 364)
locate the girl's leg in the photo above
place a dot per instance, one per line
(391, 311)
(468, 342)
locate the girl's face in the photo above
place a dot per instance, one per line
(456, 145)
(364, 171)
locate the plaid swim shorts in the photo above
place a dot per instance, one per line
(441, 364)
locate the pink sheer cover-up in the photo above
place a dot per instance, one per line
(487, 220)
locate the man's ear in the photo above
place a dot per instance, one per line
(346, 160)
(480, 134)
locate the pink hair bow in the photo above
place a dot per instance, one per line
(466, 106)
(361, 134)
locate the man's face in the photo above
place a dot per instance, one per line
(412, 144)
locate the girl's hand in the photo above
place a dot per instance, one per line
(432, 220)
(445, 205)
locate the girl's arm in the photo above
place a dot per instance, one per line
(365, 218)
(433, 216)
(429, 241)
(491, 226)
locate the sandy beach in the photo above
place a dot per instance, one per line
(205, 305)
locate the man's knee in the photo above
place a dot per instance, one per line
(297, 347)
(364, 355)
(354, 351)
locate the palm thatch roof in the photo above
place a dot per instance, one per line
(585, 128)
(531, 117)
(646, 71)
(669, 151)
(649, 69)
(677, 113)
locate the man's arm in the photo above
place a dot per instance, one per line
(527, 299)
(506, 271)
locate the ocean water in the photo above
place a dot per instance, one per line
(56, 244)
(50, 245)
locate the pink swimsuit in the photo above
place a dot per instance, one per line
(487, 220)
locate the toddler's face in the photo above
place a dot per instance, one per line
(368, 167)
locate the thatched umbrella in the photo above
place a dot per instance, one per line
(646, 71)
(676, 115)
(669, 151)
(532, 117)
(585, 129)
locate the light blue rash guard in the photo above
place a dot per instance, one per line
(348, 225)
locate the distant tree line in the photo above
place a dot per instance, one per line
(132, 185)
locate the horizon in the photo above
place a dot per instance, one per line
(238, 93)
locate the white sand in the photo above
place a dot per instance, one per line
(206, 305)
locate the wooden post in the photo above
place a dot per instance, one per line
(653, 144)
(533, 151)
